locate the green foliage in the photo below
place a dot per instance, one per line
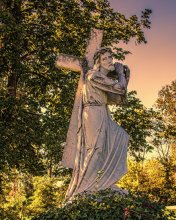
(25, 196)
(12, 195)
(165, 136)
(149, 177)
(108, 205)
(136, 119)
(165, 125)
(166, 102)
(20, 135)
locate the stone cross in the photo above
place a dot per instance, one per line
(77, 64)
(81, 65)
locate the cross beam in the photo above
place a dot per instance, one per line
(69, 62)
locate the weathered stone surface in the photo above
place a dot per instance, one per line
(69, 62)
(94, 43)
(96, 147)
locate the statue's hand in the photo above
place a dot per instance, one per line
(119, 68)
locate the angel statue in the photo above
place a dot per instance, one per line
(96, 147)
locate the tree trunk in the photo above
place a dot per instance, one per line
(12, 84)
(14, 68)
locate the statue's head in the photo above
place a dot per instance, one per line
(103, 58)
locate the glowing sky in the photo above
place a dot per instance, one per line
(152, 65)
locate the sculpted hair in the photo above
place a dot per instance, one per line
(98, 53)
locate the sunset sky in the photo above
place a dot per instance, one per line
(152, 65)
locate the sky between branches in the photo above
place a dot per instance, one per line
(152, 65)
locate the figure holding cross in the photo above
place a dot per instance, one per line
(95, 144)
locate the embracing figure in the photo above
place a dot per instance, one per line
(99, 146)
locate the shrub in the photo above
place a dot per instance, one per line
(108, 205)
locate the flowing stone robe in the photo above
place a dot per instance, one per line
(101, 144)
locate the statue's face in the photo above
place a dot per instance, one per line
(106, 61)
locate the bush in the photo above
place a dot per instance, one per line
(108, 205)
(25, 197)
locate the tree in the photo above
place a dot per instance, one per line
(151, 181)
(165, 122)
(165, 134)
(166, 102)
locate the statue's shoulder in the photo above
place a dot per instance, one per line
(92, 74)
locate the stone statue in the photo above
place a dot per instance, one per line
(96, 147)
